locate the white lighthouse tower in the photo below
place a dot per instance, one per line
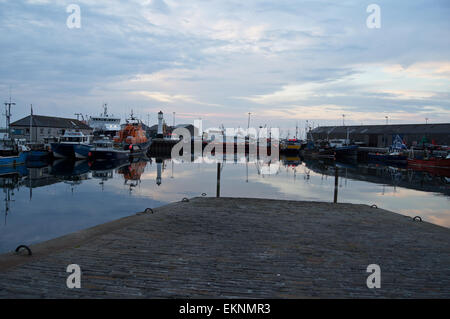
(160, 125)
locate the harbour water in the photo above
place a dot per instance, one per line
(52, 200)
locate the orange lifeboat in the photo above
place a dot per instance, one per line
(132, 137)
(131, 134)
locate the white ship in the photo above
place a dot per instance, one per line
(105, 124)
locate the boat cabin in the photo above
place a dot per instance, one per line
(73, 137)
(339, 142)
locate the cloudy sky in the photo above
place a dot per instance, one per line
(283, 61)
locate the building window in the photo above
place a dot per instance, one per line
(42, 131)
(49, 131)
(28, 131)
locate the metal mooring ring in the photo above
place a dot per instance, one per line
(26, 247)
(148, 211)
(374, 206)
(417, 218)
(204, 194)
(185, 200)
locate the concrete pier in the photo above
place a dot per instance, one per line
(249, 248)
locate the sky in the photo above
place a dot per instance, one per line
(284, 61)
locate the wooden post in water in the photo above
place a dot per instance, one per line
(218, 180)
(336, 184)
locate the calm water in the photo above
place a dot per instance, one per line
(54, 200)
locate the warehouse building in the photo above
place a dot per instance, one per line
(383, 135)
(44, 128)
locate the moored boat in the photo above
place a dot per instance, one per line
(72, 144)
(292, 145)
(438, 162)
(395, 156)
(14, 160)
(104, 150)
(319, 149)
(133, 138)
(343, 149)
(12, 151)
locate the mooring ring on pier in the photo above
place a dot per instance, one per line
(417, 218)
(26, 247)
(148, 211)
(204, 194)
(374, 206)
(185, 200)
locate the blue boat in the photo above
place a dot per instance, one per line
(395, 156)
(71, 145)
(13, 152)
(344, 150)
(14, 160)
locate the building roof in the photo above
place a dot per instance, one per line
(442, 128)
(50, 121)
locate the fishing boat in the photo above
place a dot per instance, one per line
(72, 144)
(344, 149)
(291, 145)
(13, 152)
(319, 149)
(436, 162)
(14, 160)
(395, 156)
(38, 152)
(104, 150)
(133, 137)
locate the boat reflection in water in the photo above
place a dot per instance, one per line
(422, 179)
(132, 173)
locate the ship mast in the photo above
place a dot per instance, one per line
(8, 116)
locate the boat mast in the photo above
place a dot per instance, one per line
(8, 116)
(31, 124)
